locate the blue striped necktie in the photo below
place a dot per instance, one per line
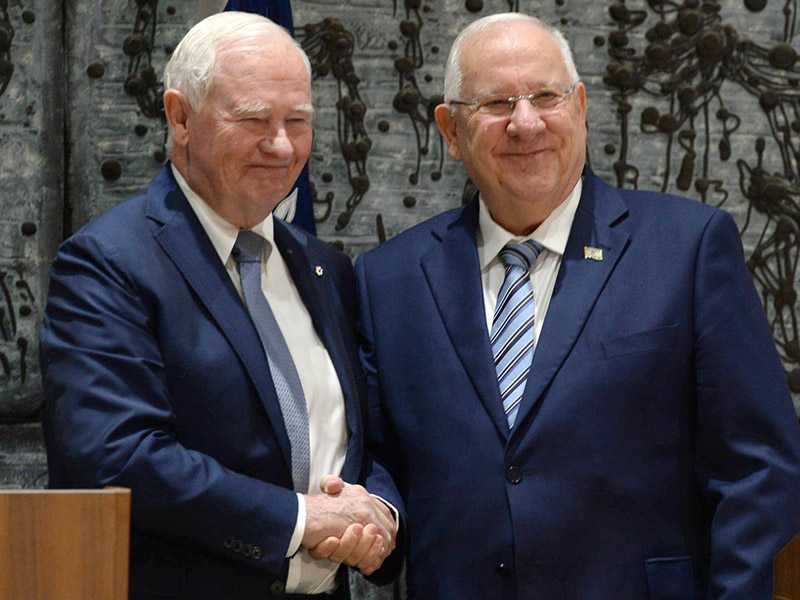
(512, 328)
(247, 252)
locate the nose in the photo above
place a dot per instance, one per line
(276, 143)
(525, 122)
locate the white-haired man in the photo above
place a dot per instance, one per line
(203, 353)
(574, 386)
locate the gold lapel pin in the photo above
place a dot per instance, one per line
(318, 270)
(590, 253)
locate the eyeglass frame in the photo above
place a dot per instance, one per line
(512, 100)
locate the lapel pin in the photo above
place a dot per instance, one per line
(318, 270)
(590, 253)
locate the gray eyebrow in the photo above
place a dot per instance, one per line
(307, 108)
(251, 109)
(248, 109)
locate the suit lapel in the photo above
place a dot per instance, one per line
(319, 299)
(578, 285)
(453, 274)
(183, 239)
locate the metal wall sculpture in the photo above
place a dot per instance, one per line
(330, 48)
(6, 37)
(688, 55)
(16, 302)
(698, 97)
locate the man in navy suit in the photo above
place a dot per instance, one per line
(574, 386)
(159, 370)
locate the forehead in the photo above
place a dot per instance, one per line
(511, 57)
(259, 64)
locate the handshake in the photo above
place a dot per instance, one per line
(345, 524)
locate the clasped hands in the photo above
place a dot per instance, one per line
(345, 524)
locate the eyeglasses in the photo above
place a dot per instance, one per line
(497, 105)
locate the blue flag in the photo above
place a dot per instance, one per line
(280, 11)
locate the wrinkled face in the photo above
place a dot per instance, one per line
(252, 135)
(524, 164)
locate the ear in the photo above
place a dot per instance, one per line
(446, 121)
(177, 111)
(580, 91)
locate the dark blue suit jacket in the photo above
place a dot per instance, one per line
(155, 379)
(656, 454)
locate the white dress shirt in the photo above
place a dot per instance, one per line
(552, 234)
(327, 426)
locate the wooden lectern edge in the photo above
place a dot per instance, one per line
(122, 550)
(116, 498)
(786, 571)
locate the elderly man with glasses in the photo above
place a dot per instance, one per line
(574, 386)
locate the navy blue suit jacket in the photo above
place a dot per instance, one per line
(155, 379)
(656, 453)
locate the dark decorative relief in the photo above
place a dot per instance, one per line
(142, 82)
(6, 36)
(410, 100)
(16, 303)
(690, 53)
(330, 49)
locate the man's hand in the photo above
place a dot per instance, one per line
(347, 525)
(360, 547)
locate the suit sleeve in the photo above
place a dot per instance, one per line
(379, 480)
(747, 437)
(108, 418)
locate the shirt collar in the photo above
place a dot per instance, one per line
(552, 234)
(221, 233)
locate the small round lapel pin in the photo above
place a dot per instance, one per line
(318, 270)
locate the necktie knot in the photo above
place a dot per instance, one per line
(520, 255)
(249, 247)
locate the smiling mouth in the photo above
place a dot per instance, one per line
(269, 167)
(523, 153)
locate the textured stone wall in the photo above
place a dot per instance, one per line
(32, 192)
(695, 97)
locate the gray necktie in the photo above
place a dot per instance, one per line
(247, 252)
(512, 329)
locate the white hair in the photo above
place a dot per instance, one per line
(452, 74)
(191, 67)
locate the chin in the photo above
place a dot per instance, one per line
(531, 188)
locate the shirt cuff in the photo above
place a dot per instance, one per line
(395, 512)
(300, 526)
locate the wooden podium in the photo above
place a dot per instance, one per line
(786, 571)
(64, 544)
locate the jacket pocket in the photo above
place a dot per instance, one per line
(643, 341)
(673, 578)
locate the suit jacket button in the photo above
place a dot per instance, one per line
(247, 550)
(228, 543)
(256, 553)
(514, 475)
(237, 545)
(277, 588)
